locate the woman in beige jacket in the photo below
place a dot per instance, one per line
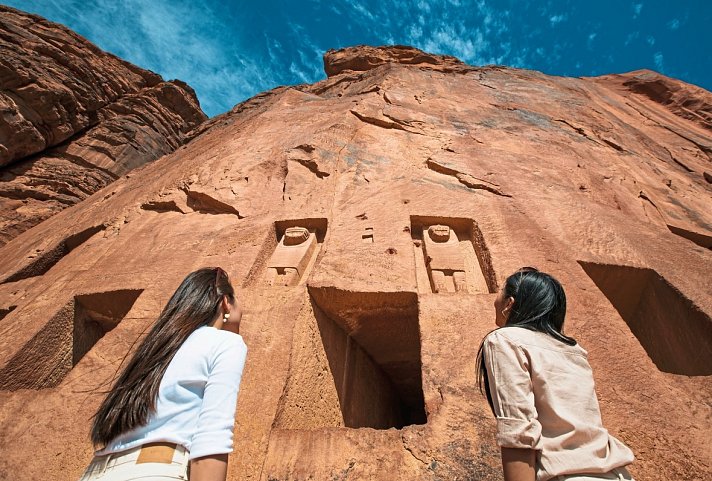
(540, 387)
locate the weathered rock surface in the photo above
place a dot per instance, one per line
(685, 100)
(75, 118)
(344, 61)
(368, 220)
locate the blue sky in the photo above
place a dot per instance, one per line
(230, 50)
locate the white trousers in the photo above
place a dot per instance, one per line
(122, 467)
(618, 474)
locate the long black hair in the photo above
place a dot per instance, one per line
(539, 305)
(132, 399)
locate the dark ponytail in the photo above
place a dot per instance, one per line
(539, 305)
(132, 400)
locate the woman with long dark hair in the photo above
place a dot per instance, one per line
(172, 408)
(540, 387)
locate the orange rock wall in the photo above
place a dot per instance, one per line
(75, 119)
(585, 178)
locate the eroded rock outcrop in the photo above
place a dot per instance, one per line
(687, 101)
(368, 221)
(364, 57)
(75, 118)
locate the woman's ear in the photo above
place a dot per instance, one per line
(508, 303)
(225, 305)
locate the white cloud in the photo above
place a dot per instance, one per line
(650, 39)
(637, 8)
(556, 19)
(424, 6)
(658, 60)
(361, 9)
(182, 39)
(673, 24)
(631, 37)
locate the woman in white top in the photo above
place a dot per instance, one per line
(540, 387)
(172, 409)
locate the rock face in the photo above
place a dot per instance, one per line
(343, 61)
(367, 222)
(74, 119)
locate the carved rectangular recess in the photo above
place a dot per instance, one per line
(360, 367)
(50, 355)
(453, 253)
(289, 252)
(47, 259)
(676, 334)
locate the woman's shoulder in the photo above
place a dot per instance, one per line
(527, 338)
(209, 337)
(512, 335)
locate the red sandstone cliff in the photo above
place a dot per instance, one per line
(410, 185)
(75, 118)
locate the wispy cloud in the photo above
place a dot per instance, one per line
(673, 24)
(637, 8)
(658, 60)
(173, 38)
(229, 50)
(554, 20)
(631, 37)
(471, 31)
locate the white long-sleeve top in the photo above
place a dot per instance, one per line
(196, 398)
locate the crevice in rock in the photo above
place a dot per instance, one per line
(385, 123)
(702, 240)
(481, 77)
(467, 180)
(672, 157)
(313, 167)
(405, 123)
(706, 149)
(18, 193)
(578, 130)
(47, 259)
(162, 206)
(644, 196)
(328, 84)
(617, 147)
(582, 132)
(207, 204)
(410, 450)
(302, 154)
(5, 311)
